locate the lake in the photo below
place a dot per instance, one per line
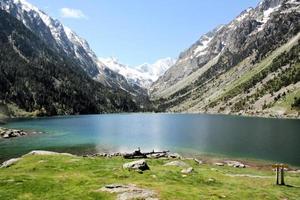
(233, 136)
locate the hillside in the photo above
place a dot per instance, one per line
(64, 41)
(249, 66)
(61, 176)
(35, 80)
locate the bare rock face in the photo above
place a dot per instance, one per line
(130, 192)
(137, 165)
(177, 164)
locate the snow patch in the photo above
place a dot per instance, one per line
(143, 75)
(201, 49)
(266, 16)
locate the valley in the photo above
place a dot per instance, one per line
(249, 66)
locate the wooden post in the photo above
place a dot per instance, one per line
(277, 175)
(282, 175)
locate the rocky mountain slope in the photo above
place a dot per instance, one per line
(36, 80)
(249, 66)
(64, 41)
(143, 75)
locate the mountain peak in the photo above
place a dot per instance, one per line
(143, 75)
(267, 4)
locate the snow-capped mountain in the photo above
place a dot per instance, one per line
(66, 42)
(244, 66)
(57, 36)
(247, 33)
(157, 69)
(143, 75)
(39, 81)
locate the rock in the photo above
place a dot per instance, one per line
(219, 164)
(101, 154)
(117, 154)
(188, 158)
(174, 155)
(137, 165)
(295, 171)
(130, 192)
(47, 153)
(157, 155)
(10, 162)
(154, 176)
(187, 171)
(200, 162)
(235, 164)
(11, 133)
(177, 164)
(211, 180)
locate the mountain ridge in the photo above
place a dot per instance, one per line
(143, 75)
(37, 81)
(66, 42)
(193, 82)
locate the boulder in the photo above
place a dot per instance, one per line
(157, 155)
(10, 162)
(187, 171)
(199, 162)
(211, 180)
(137, 165)
(177, 164)
(174, 155)
(236, 164)
(219, 164)
(11, 133)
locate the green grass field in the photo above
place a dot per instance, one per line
(67, 177)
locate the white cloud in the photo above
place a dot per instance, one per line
(72, 13)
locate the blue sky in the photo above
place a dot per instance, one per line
(139, 31)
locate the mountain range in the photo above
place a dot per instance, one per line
(46, 69)
(249, 66)
(143, 75)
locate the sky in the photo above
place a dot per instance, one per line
(142, 31)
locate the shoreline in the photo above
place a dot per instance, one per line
(260, 165)
(209, 159)
(259, 115)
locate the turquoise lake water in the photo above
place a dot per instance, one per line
(234, 136)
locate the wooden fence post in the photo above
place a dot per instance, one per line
(280, 172)
(282, 175)
(277, 175)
